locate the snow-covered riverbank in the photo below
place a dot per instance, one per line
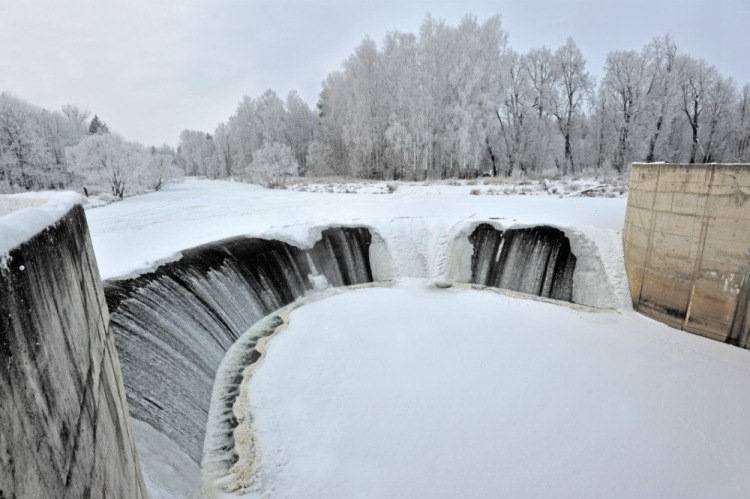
(417, 222)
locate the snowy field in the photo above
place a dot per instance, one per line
(464, 393)
(417, 222)
(414, 391)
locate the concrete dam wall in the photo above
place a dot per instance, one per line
(687, 247)
(64, 425)
(174, 325)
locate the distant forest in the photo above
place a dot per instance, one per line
(447, 102)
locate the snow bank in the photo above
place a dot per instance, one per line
(22, 216)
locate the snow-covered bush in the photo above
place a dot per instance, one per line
(106, 162)
(272, 164)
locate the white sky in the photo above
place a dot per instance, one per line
(150, 69)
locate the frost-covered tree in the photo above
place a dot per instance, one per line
(719, 118)
(272, 164)
(696, 77)
(32, 145)
(299, 127)
(625, 86)
(158, 166)
(660, 57)
(515, 111)
(222, 163)
(196, 154)
(741, 142)
(419, 106)
(572, 86)
(319, 159)
(539, 67)
(446, 101)
(106, 161)
(77, 118)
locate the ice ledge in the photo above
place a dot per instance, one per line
(22, 216)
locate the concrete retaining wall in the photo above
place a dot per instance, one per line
(64, 424)
(687, 247)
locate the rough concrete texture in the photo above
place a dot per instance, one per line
(64, 424)
(687, 247)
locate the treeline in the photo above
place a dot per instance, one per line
(42, 149)
(449, 101)
(458, 102)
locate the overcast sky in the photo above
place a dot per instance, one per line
(150, 69)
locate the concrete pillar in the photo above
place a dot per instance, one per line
(64, 424)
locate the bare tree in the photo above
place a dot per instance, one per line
(695, 78)
(624, 85)
(572, 85)
(660, 57)
(516, 105)
(720, 97)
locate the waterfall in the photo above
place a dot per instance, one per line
(174, 325)
(535, 260)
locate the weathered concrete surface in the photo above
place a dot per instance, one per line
(64, 424)
(687, 247)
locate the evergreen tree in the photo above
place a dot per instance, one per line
(97, 126)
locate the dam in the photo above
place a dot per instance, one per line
(687, 247)
(189, 329)
(64, 424)
(176, 323)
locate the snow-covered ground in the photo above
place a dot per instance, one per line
(580, 186)
(422, 392)
(417, 222)
(416, 391)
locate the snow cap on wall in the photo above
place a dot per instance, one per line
(22, 216)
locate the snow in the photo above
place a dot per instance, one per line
(498, 186)
(420, 390)
(417, 222)
(22, 216)
(414, 391)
